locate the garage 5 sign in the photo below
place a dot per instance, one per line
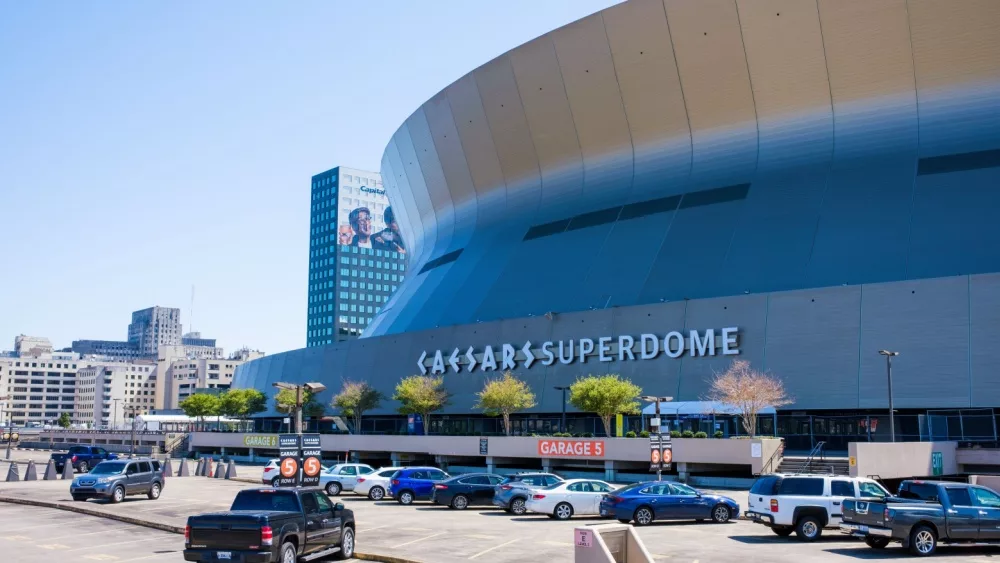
(674, 344)
(571, 448)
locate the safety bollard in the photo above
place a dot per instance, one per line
(50, 471)
(199, 467)
(220, 471)
(30, 473)
(12, 474)
(68, 471)
(231, 471)
(167, 470)
(182, 471)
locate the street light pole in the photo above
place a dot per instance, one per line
(888, 373)
(300, 395)
(114, 416)
(562, 424)
(659, 429)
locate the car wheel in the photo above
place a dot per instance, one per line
(274, 482)
(83, 467)
(876, 543)
(517, 507)
(808, 528)
(643, 516)
(783, 531)
(923, 541)
(118, 495)
(406, 497)
(376, 493)
(288, 553)
(154, 492)
(333, 488)
(460, 502)
(563, 511)
(346, 545)
(721, 514)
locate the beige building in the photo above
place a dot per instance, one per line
(37, 389)
(112, 394)
(184, 374)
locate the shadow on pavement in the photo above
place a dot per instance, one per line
(894, 552)
(775, 540)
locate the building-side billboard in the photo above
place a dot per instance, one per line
(366, 220)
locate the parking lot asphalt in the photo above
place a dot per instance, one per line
(431, 534)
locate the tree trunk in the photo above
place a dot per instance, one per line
(506, 423)
(427, 423)
(607, 425)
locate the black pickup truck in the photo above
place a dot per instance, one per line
(272, 525)
(925, 513)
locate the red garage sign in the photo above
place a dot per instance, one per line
(571, 448)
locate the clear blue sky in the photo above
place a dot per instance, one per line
(146, 147)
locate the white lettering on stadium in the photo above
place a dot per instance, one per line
(624, 348)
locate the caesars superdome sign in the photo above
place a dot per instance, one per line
(604, 349)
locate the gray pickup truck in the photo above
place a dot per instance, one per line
(924, 514)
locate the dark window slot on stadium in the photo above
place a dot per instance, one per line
(553, 228)
(594, 218)
(713, 196)
(651, 207)
(441, 261)
(958, 162)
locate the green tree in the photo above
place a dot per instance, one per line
(200, 405)
(284, 402)
(355, 398)
(503, 396)
(605, 396)
(242, 403)
(64, 420)
(421, 394)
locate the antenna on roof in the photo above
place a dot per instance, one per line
(192, 309)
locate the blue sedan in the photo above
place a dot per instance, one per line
(660, 500)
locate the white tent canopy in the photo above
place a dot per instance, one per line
(688, 408)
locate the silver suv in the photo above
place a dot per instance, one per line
(115, 479)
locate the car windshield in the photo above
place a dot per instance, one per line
(106, 468)
(280, 501)
(554, 486)
(78, 450)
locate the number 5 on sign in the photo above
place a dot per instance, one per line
(311, 466)
(289, 467)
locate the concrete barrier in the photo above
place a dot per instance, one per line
(182, 469)
(50, 471)
(167, 470)
(902, 459)
(30, 473)
(68, 471)
(12, 474)
(220, 471)
(231, 471)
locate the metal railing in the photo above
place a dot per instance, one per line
(816, 451)
(774, 461)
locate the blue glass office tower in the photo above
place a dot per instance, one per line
(356, 256)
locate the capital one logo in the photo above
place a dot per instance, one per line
(624, 348)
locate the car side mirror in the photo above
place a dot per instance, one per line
(339, 506)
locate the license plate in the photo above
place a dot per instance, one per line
(861, 528)
(224, 555)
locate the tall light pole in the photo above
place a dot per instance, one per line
(659, 426)
(299, 391)
(562, 424)
(888, 374)
(114, 416)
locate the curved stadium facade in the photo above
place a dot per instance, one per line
(798, 184)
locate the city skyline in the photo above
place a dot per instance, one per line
(141, 161)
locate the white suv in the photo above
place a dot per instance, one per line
(805, 503)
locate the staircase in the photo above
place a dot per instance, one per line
(825, 466)
(176, 445)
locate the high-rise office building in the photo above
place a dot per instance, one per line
(356, 254)
(154, 327)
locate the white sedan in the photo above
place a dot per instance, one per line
(574, 497)
(342, 477)
(374, 485)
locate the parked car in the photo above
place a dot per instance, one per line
(573, 497)
(114, 480)
(82, 458)
(924, 514)
(272, 525)
(270, 474)
(374, 485)
(342, 477)
(464, 490)
(658, 500)
(805, 504)
(414, 483)
(514, 490)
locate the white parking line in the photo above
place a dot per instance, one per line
(485, 551)
(102, 546)
(372, 529)
(154, 556)
(415, 529)
(90, 533)
(420, 540)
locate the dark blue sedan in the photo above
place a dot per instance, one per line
(660, 500)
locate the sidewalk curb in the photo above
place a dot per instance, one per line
(92, 512)
(157, 526)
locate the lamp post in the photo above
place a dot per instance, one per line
(888, 373)
(659, 426)
(131, 448)
(114, 416)
(562, 423)
(300, 398)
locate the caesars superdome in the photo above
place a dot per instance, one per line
(666, 185)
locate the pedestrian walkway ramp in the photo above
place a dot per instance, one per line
(609, 543)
